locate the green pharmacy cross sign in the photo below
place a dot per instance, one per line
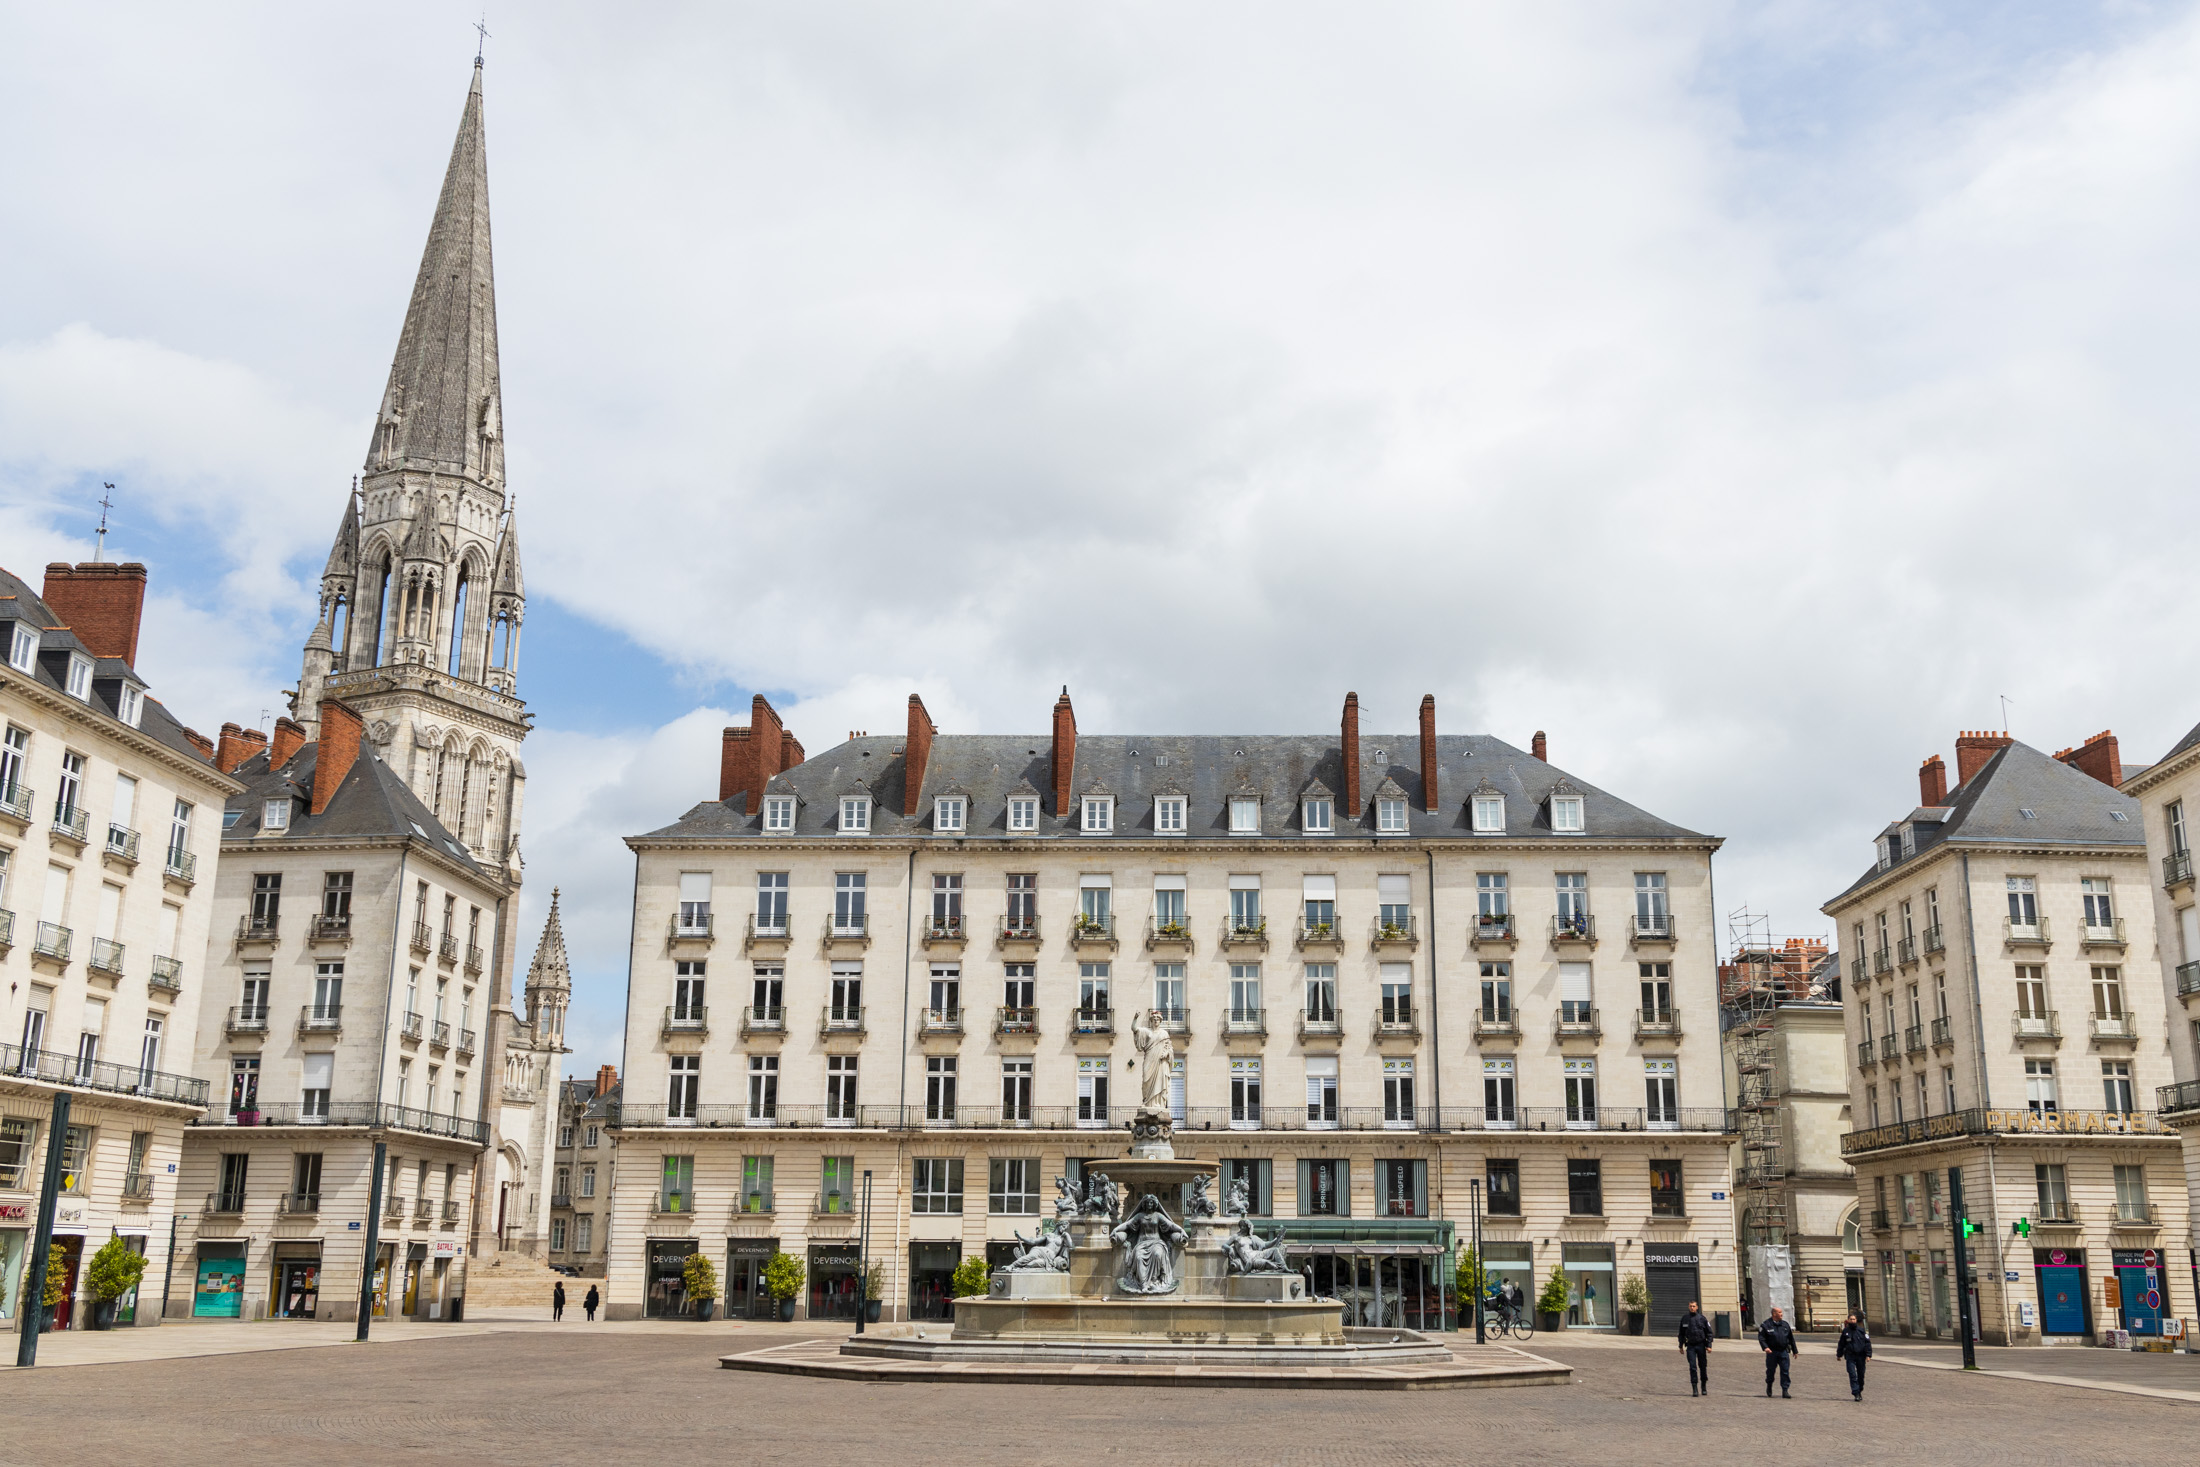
(2022, 1227)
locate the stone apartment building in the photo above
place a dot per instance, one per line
(370, 870)
(109, 811)
(1398, 967)
(584, 1169)
(2005, 1020)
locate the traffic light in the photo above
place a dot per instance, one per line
(2022, 1227)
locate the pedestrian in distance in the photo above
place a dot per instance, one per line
(588, 1304)
(1777, 1338)
(1853, 1350)
(557, 1301)
(1696, 1345)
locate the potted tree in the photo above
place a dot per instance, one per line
(874, 1290)
(1634, 1298)
(701, 1281)
(57, 1286)
(1551, 1303)
(783, 1276)
(1471, 1283)
(969, 1281)
(113, 1272)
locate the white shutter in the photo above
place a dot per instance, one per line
(694, 886)
(1169, 883)
(95, 1016)
(1394, 890)
(320, 1071)
(1321, 888)
(55, 907)
(1573, 982)
(110, 912)
(1245, 883)
(170, 913)
(1092, 883)
(1176, 1090)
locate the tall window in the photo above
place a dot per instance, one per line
(694, 902)
(2175, 814)
(1245, 1093)
(2053, 1190)
(1502, 1175)
(767, 993)
(840, 1090)
(1092, 991)
(1396, 996)
(1651, 916)
(1013, 1186)
(946, 1005)
(1325, 1182)
(1581, 1094)
(1245, 993)
(336, 899)
(1168, 991)
(947, 901)
(1667, 1197)
(2116, 1086)
(1394, 904)
(1497, 1094)
(846, 1006)
(1497, 993)
(939, 1087)
(763, 1087)
(179, 827)
(848, 896)
(2039, 1087)
(1661, 1093)
(328, 992)
(2024, 906)
(837, 1182)
(1017, 992)
(149, 1049)
(1398, 1093)
(2131, 1194)
(1023, 902)
(1576, 1004)
(1573, 903)
(2108, 992)
(1403, 1183)
(1321, 1092)
(2032, 1014)
(686, 1083)
(1321, 993)
(1319, 911)
(1016, 1091)
(677, 1190)
(267, 900)
(1092, 1092)
(771, 903)
(1093, 904)
(1584, 1186)
(15, 746)
(2099, 915)
(1245, 904)
(1657, 992)
(69, 793)
(687, 992)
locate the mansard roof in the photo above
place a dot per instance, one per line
(371, 802)
(57, 644)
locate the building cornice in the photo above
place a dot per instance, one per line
(486, 876)
(114, 728)
(2160, 774)
(1041, 845)
(1903, 870)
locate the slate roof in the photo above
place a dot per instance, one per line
(372, 801)
(2067, 808)
(1207, 768)
(56, 643)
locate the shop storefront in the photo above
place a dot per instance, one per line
(1670, 1269)
(126, 1308)
(297, 1280)
(2065, 1310)
(1389, 1273)
(1591, 1300)
(15, 1243)
(836, 1281)
(218, 1290)
(385, 1259)
(667, 1293)
(2140, 1290)
(932, 1279)
(746, 1296)
(1511, 1263)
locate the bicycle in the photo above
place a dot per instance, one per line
(1500, 1322)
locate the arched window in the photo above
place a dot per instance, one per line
(381, 615)
(1852, 1237)
(340, 629)
(458, 624)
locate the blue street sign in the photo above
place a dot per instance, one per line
(1718, 1197)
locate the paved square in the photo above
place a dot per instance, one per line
(532, 1394)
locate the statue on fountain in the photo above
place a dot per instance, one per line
(1241, 1199)
(1249, 1252)
(1102, 1197)
(1149, 1240)
(1069, 1199)
(1154, 1123)
(1047, 1253)
(1199, 1204)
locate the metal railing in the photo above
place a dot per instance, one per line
(2067, 1215)
(106, 956)
(1657, 1024)
(1244, 1021)
(331, 929)
(1656, 927)
(1402, 1021)
(847, 928)
(2114, 1026)
(1324, 1025)
(137, 1187)
(1083, 928)
(1312, 933)
(1882, 1221)
(1935, 939)
(7, 928)
(1179, 1020)
(920, 1117)
(423, 938)
(465, 1041)
(52, 941)
(424, 1211)
(766, 929)
(944, 929)
(942, 1021)
(1573, 929)
(842, 1019)
(755, 1204)
(393, 1206)
(316, 1018)
(181, 866)
(2184, 1095)
(1013, 1020)
(167, 975)
(2188, 977)
(1496, 1026)
(1905, 951)
(1913, 1039)
(670, 1203)
(692, 1018)
(259, 929)
(1169, 932)
(450, 1210)
(1245, 932)
(122, 842)
(72, 824)
(473, 958)
(2037, 1026)
(763, 1018)
(693, 927)
(2025, 934)
(1093, 1021)
(1882, 961)
(414, 1026)
(350, 1113)
(17, 801)
(1580, 1024)
(1943, 1031)
(2093, 935)
(2177, 868)
(1395, 933)
(246, 1018)
(224, 1204)
(2135, 1215)
(1856, 970)
(1496, 928)
(446, 947)
(300, 1204)
(53, 1067)
(1982, 1122)
(1017, 929)
(1866, 1055)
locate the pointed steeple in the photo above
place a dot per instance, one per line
(508, 581)
(343, 555)
(442, 409)
(549, 969)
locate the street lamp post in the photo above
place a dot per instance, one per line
(1481, 1286)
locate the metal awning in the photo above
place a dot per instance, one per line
(1370, 1250)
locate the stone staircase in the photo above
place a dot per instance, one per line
(516, 1281)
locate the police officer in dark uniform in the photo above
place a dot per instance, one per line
(1696, 1345)
(1778, 1339)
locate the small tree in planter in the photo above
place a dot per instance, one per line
(874, 1290)
(113, 1272)
(783, 1277)
(970, 1278)
(1551, 1303)
(1471, 1282)
(57, 1285)
(701, 1280)
(1634, 1297)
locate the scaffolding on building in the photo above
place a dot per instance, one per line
(1759, 982)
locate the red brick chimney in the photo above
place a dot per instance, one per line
(232, 750)
(790, 753)
(606, 1077)
(749, 757)
(1932, 782)
(2097, 756)
(915, 754)
(1429, 797)
(1540, 747)
(1348, 735)
(733, 763)
(1063, 755)
(342, 730)
(200, 742)
(290, 737)
(101, 602)
(1973, 749)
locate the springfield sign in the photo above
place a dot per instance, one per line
(2006, 1122)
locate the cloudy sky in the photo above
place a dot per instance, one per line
(1751, 395)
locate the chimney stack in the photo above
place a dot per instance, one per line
(101, 602)
(1932, 783)
(1063, 756)
(1348, 734)
(231, 751)
(1540, 747)
(749, 757)
(915, 754)
(2097, 756)
(200, 742)
(342, 731)
(1429, 794)
(1973, 749)
(290, 737)
(606, 1077)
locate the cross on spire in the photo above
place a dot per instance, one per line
(106, 502)
(482, 26)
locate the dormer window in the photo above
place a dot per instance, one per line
(1318, 815)
(1390, 817)
(1245, 815)
(779, 812)
(855, 815)
(131, 706)
(1099, 814)
(22, 648)
(949, 815)
(1489, 814)
(1023, 813)
(275, 815)
(1567, 817)
(1168, 814)
(80, 678)
(1909, 840)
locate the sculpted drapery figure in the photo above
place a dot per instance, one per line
(1157, 1058)
(1249, 1252)
(1148, 1240)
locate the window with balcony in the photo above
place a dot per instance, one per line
(840, 1090)
(1321, 1092)
(1318, 908)
(1657, 992)
(2039, 1087)
(1092, 1092)
(855, 815)
(688, 979)
(1168, 991)
(1245, 1093)
(1168, 814)
(1398, 1093)
(1652, 918)
(685, 1087)
(1095, 910)
(837, 1184)
(763, 1087)
(844, 1008)
(1572, 889)
(939, 1087)
(1661, 1093)
(1023, 813)
(1244, 996)
(779, 813)
(2100, 916)
(947, 903)
(1168, 908)
(1321, 993)
(1012, 1187)
(1492, 904)
(1576, 1004)
(317, 1078)
(2024, 905)
(2108, 997)
(849, 891)
(1581, 1093)
(1497, 994)
(1016, 1091)
(2116, 1087)
(2053, 1191)
(694, 914)
(1023, 902)
(2174, 815)
(1018, 993)
(1245, 915)
(950, 815)
(756, 1184)
(1498, 1095)
(236, 1168)
(676, 1188)
(1093, 1007)
(2032, 1012)
(2131, 1193)
(1395, 996)
(771, 904)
